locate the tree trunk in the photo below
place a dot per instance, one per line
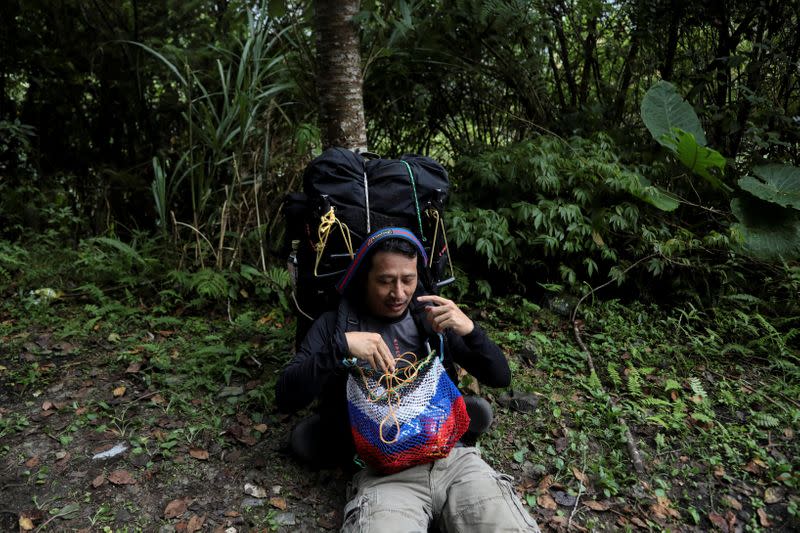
(339, 75)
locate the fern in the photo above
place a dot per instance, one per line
(764, 420)
(613, 374)
(210, 284)
(634, 381)
(125, 249)
(697, 387)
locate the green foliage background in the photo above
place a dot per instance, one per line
(177, 128)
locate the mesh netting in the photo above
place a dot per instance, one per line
(412, 417)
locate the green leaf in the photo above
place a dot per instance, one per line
(276, 8)
(699, 159)
(519, 455)
(655, 196)
(779, 184)
(767, 232)
(663, 109)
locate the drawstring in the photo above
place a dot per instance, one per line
(416, 200)
(323, 232)
(433, 213)
(366, 201)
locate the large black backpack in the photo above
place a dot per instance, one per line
(347, 196)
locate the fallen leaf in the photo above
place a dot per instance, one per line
(25, 523)
(580, 476)
(546, 501)
(121, 477)
(719, 472)
(763, 518)
(719, 521)
(47, 405)
(33, 462)
(133, 368)
(663, 508)
(545, 483)
(61, 454)
(278, 502)
(231, 514)
(773, 495)
(80, 410)
(254, 490)
(195, 523)
(247, 439)
(755, 466)
(261, 428)
(558, 521)
(98, 481)
(199, 453)
(157, 399)
(639, 522)
(119, 391)
(732, 502)
(176, 508)
(597, 506)
(731, 518)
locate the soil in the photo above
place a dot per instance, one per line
(55, 464)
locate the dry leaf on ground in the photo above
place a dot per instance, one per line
(773, 495)
(261, 428)
(25, 523)
(719, 521)
(176, 508)
(119, 391)
(597, 506)
(732, 502)
(546, 501)
(195, 523)
(763, 519)
(98, 481)
(199, 453)
(580, 476)
(278, 502)
(663, 508)
(121, 477)
(33, 462)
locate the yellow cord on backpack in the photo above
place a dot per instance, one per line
(324, 231)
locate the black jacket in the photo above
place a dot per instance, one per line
(317, 370)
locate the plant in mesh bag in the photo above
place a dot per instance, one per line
(412, 415)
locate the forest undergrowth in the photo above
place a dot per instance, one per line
(103, 348)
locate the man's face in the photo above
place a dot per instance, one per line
(390, 284)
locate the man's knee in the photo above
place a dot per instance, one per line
(373, 511)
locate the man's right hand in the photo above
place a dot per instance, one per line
(371, 348)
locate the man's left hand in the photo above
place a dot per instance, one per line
(445, 314)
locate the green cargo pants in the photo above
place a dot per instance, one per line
(460, 493)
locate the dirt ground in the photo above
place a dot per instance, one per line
(54, 476)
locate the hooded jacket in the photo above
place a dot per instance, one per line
(317, 371)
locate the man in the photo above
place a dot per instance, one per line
(384, 314)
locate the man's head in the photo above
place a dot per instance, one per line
(390, 278)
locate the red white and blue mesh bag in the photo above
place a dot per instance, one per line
(412, 417)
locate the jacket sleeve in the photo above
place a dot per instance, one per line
(481, 357)
(319, 357)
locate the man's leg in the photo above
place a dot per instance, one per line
(477, 498)
(398, 502)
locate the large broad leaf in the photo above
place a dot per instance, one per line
(779, 184)
(655, 195)
(701, 160)
(664, 109)
(768, 232)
